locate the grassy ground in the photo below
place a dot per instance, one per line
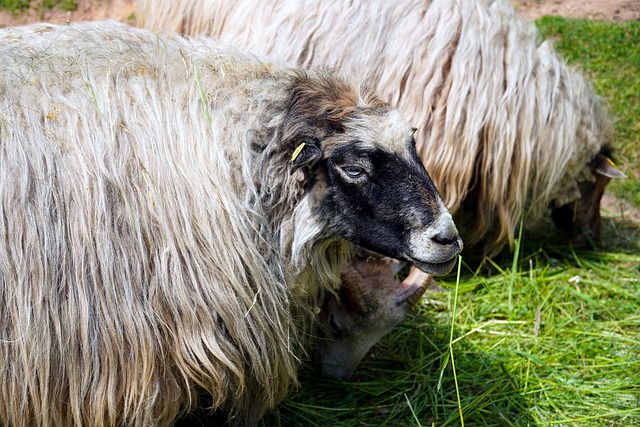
(17, 6)
(548, 337)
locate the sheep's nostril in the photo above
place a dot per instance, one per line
(445, 236)
(447, 239)
(443, 240)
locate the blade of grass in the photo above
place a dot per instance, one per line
(204, 103)
(453, 364)
(514, 265)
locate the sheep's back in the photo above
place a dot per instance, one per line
(120, 192)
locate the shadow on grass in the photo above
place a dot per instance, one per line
(544, 241)
(408, 380)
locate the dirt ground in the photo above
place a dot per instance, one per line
(612, 10)
(123, 10)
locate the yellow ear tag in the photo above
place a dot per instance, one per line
(611, 162)
(297, 151)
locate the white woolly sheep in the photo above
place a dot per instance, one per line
(173, 212)
(505, 127)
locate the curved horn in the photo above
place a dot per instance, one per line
(413, 287)
(356, 292)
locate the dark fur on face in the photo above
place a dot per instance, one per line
(371, 188)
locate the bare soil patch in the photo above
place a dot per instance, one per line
(609, 10)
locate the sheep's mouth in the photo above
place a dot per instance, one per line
(436, 268)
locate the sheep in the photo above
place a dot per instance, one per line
(369, 305)
(505, 127)
(173, 212)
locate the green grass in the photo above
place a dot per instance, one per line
(550, 337)
(67, 5)
(14, 6)
(566, 352)
(18, 6)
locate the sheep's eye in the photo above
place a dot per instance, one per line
(353, 171)
(335, 329)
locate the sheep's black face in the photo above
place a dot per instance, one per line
(379, 196)
(364, 176)
(580, 220)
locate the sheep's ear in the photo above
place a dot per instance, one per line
(603, 165)
(305, 154)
